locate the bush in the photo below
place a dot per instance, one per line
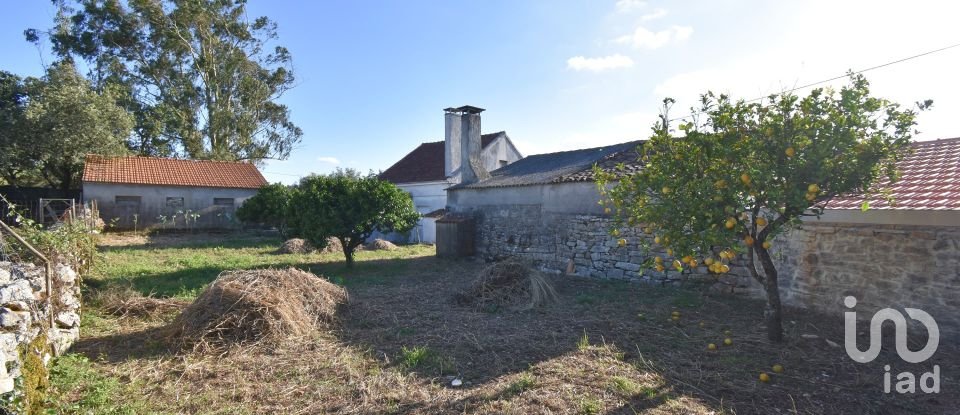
(269, 207)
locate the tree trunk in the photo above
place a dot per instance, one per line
(348, 253)
(773, 313)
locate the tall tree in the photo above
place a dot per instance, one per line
(16, 163)
(64, 120)
(200, 78)
(742, 173)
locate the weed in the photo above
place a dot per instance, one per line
(584, 342)
(524, 382)
(423, 358)
(590, 406)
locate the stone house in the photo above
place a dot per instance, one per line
(544, 208)
(428, 170)
(168, 193)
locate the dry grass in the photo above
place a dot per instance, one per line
(511, 284)
(257, 307)
(127, 302)
(603, 347)
(296, 246)
(380, 245)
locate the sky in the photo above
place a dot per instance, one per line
(374, 76)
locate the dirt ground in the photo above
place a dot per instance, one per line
(604, 348)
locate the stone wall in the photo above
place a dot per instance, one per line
(25, 316)
(881, 265)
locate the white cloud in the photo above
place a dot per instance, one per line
(626, 6)
(328, 160)
(580, 63)
(654, 15)
(642, 38)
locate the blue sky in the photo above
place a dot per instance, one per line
(374, 76)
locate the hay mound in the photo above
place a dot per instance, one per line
(296, 246)
(256, 307)
(380, 244)
(333, 246)
(511, 284)
(127, 302)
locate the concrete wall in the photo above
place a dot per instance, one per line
(153, 204)
(499, 151)
(561, 228)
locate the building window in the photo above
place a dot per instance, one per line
(127, 201)
(175, 202)
(223, 201)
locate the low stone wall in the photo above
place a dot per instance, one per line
(883, 266)
(25, 332)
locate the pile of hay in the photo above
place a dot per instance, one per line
(333, 246)
(380, 244)
(255, 307)
(296, 246)
(127, 302)
(509, 284)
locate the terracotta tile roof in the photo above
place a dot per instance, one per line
(425, 163)
(929, 180)
(171, 172)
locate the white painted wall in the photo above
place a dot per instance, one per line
(427, 197)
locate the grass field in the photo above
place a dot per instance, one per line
(605, 347)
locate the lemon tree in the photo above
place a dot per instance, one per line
(719, 188)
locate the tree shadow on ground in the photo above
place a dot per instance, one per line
(415, 326)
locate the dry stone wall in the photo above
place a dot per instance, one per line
(881, 265)
(25, 316)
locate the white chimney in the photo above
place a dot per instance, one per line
(462, 145)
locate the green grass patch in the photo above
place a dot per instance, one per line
(74, 375)
(422, 358)
(185, 269)
(590, 406)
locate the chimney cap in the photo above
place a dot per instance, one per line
(466, 109)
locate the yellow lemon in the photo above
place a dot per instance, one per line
(659, 268)
(748, 240)
(764, 377)
(658, 260)
(606, 210)
(622, 242)
(778, 368)
(767, 244)
(730, 223)
(677, 264)
(666, 190)
(708, 261)
(724, 269)
(669, 252)
(811, 196)
(656, 239)
(761, 222)
(728, 341)
(813, 188)
(790, 152)
(745, 178)
(711, 346)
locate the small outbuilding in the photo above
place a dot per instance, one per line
(168, 193)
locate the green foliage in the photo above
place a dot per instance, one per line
(52, 123)
(742, 173)
(270, 206)
(349, 207)
(202, 79)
